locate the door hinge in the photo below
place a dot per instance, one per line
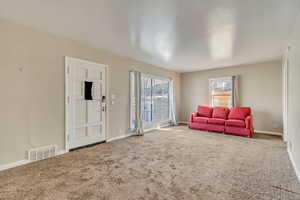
(68, 70)
(68, 137)
(68, 99)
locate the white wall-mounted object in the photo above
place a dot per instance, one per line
(42, 153)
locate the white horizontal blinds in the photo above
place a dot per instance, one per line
(146, 99)
(221, 91)
(160, 100)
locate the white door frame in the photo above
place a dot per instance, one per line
(67, 71)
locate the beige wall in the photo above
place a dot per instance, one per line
(260, 87)
(32, 88)
(294, 97)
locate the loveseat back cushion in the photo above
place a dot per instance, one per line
(204, 111)
(239, 113)
(220, 112)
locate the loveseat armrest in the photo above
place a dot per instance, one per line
(249, 122)
(191, 119)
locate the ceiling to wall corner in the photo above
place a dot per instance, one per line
(178, 35)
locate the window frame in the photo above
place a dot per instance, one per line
(210, 90)
(155, 122)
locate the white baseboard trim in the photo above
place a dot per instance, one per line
(24, 162)
(156, 128)
(268, 132)
(14, 164)
(117, 138)
(297, 171)
(182, 122)
(256, 131)
(61, 152)
(151, 129)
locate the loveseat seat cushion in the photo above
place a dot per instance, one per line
(216, 121)
(202, 120)
(236, 123)
(204, 111)
(239, 113)
(220, 112)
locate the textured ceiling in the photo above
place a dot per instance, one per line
(179, 35)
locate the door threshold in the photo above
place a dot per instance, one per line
(87, 146)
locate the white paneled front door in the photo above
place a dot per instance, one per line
(85, 117)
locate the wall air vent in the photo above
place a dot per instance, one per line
(42, 153)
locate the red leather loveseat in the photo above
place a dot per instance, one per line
(234, 121)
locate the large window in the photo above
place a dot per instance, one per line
(221, 91)
(152, 102)
(155, 99)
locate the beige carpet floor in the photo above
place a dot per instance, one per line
(173, 163)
